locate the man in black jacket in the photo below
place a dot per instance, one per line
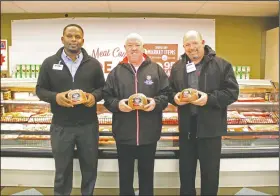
(204, 121)
(136, 131)
(72, 68)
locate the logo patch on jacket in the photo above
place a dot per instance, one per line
(148, 81)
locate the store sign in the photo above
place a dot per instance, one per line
(4, 55)
(110, 55)
(163, 54)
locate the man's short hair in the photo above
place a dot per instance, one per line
(73, 25)
(134, 36)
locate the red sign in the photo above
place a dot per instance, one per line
(163, 54)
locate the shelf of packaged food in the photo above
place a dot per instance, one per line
(242, 104)
(254, 82)
(35, 102)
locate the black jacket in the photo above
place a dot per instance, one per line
(89, 78)
(217, 79)
(136, 127)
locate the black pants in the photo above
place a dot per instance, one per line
(208, 152)
(63, 141)
(146, 158)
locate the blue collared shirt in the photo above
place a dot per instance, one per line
(72, 65)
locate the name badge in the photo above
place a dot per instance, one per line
(58, 66)
(190, 67)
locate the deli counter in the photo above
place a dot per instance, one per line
(252, 136)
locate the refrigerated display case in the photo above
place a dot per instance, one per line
(253, 130)
(252, 123)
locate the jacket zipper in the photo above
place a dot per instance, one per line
(205, 77)
(137, 112)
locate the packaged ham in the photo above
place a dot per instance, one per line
(243, 137)
(44, 118)
(251, 99)
(169, 138)
(34, 137)
(77, 96)
(261, 114)
(137, 101)
(9, 136)
(14, 117)
(259, 120)
(238, 128)
(267, 136)
(264, 128)
(170, 118)
(105, 118)
(233, 117)
(188, 95)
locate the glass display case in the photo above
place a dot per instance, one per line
(253, 129)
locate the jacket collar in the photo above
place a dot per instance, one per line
(209, 53)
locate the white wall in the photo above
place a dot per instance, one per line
(34, 40)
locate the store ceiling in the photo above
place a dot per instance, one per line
(230, 8)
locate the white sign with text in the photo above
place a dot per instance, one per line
(35, 39)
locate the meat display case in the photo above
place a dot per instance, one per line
(252, 123)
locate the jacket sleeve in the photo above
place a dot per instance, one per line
(162, 98)
(173, 90)
(43, 87)
(111, 101)
(99, 83)
(229, 92)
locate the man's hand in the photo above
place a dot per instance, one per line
(90, 100)
(177, 100)
(123, 106)
(202, 100)
(150, 106)
(62, 100)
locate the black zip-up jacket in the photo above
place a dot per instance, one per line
(217, 79)
(89, 78)
(136, 127)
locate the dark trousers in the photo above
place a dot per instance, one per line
(146, 158)
(63, 141)
(208, 152)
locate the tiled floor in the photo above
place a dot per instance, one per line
(222, 191)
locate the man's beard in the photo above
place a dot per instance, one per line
(74, 51)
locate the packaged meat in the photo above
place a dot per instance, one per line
(77, 96)
(233, 117)
(44, 118)
(259, 120)
(137, 101)
(34, 137)
(250, 99)
(9, 136)
(238, 128)
(262, 114)
(188, 95)
(264, 128)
